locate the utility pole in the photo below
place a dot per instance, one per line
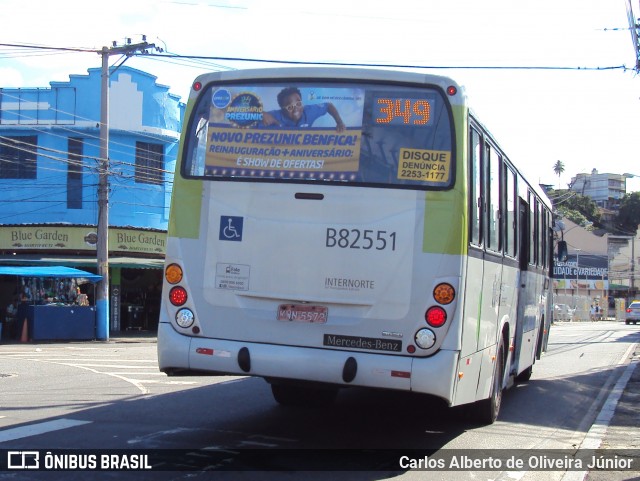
(634, 27)
(632, 290)
(102, 288)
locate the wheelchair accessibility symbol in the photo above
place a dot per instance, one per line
(231, 228)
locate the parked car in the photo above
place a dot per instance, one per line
(633, 313)
(562, 312)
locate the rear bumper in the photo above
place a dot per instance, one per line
(434, 375)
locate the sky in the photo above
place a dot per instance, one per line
(574, 96)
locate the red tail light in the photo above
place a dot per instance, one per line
(435, 316)
(178, 296)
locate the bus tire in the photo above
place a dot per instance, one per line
(525, 375)
(486, 410)
(303, 396)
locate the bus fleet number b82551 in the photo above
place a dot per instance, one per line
(360, 239)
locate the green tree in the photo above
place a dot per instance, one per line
(575, 207)
(558, 168)
(629, 213)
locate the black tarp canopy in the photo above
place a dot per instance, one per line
(51, 271)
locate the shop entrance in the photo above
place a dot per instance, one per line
(141, 290)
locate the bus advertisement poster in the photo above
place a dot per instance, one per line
(279, 128)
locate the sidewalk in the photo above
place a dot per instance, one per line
(134, 336)
(124, 336)
(622, 432)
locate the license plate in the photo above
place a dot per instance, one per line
(302, 313)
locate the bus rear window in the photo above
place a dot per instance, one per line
(381, 135)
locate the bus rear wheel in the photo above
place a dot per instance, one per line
(486, 411)
(303, 396)
(525, 375)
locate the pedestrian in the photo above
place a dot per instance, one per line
(592, 313)
(10, 320)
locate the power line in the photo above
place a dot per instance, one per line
(387, 65)
(45, 47)
(172, 56)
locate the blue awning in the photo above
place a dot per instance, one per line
(50, 271)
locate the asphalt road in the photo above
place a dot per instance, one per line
(111, 396)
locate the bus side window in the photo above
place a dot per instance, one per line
(474, 187)
(511, 226)
(544, 231)
(494, 217)
(533, 241)
(537, 232)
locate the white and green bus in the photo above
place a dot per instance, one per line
(352, 227)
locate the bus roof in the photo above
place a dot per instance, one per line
(337, 74)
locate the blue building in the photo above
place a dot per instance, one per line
(49, 171)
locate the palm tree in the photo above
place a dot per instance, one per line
(558, 168)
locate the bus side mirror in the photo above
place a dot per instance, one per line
(562, 251)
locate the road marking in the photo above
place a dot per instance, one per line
(112, 366)
(141, 370)
(155, 381)
(40, 428)
(129, 373)
(137, 384)
(160, 434)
